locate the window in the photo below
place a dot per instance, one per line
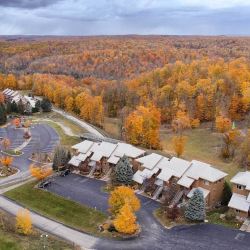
(240, 187)
(206, 182)
(237, 211)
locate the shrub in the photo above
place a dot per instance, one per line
(23, 222)
(230, 215)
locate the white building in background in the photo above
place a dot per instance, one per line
(14, 96)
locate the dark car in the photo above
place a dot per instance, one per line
(65, 172)
(44, 184)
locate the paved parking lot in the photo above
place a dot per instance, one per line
(154, 236)
(44, 139)
(89, 192)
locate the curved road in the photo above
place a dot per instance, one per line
(44, 139)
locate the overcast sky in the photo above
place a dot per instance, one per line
(111, 17)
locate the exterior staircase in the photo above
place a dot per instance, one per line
(106, 176)
(177, 198)
(157, 192)
(246, 226)
(93, 168)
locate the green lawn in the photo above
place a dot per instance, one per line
(13, 241)
(202, 144)
(10, 240)
(214, 218)
(12, 152)
(57, 208)
(112, 127)
(65, 140)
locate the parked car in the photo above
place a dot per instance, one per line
(65, 172)
(44, 184)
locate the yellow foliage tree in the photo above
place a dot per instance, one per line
(125, 221)
(181, 122)
(179, 144)
(69, 103)
(142, 127)
(40, 173)
(120, 196)
(223, 124)
(23, 222)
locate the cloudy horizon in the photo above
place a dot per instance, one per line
(121, 17)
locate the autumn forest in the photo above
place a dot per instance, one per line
(145, 81)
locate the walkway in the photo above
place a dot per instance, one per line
(47, 225)
(81, 123)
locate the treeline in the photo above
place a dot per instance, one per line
(63, 91)
(145, 81)
(113, 58)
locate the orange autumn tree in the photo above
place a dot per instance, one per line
(6, 143)
(123, 195)
(23, 222)
(142, 127)
(16, 122)
(223, 124)
(40, 173)
(69, 104)
(125, 221)
(2, 99)
(179, 124)
(6, 161)
(179, 143)
(231, 141)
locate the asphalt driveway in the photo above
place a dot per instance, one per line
(154, 236)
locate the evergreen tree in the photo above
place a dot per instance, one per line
(123, 171)
(20, 107)
(61, 157)
(3, 117)
(227, 194)
(13, 107)
(46, 105)
(195, 210)
(37, 107)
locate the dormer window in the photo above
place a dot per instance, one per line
(240, 187)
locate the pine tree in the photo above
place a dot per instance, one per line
(3, 117)
(195, 210)
(123, 171)
(61, 157)
(227, 194)
(46, 105)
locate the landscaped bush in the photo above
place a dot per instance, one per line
(230, 215)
